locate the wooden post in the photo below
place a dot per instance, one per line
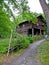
(32, 31)
(10, 42)
(40, 32)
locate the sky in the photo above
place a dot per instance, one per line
(35, 6)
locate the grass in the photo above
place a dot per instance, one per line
(3, 45)
(4, 58)
(20, 42)
(43, 54)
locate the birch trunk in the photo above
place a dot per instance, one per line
(10, 42)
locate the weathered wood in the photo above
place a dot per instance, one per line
(24, 27)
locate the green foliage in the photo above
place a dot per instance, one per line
(5, 24)
(20, 42)
(34, 38)
(3, 45)
(5, 4)
(30, 38)
(24, 12)
(4, 20)
(37, 37)
(44, 53)
(23, 6)
(26, 16)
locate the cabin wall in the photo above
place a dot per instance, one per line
(39, 25)
(26, 26)
(23, 29)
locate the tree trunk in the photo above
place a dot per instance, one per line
(46, 11)
(10, 42)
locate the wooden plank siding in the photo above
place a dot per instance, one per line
(26, 28)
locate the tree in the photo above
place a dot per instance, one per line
(5, 23)
(24, 12)
(5, 4)
(23, 6)
(46, 11)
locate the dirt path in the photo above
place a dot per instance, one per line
(28, 57)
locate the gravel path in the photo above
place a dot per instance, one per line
(28, 57)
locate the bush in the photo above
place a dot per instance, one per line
(37, 37)
(18, 42)
(31, 40)
(4, 45)
(3, 49)
(22, 41)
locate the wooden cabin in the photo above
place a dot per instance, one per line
(28, 28)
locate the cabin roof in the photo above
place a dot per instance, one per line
(25, 21)
(22, 22)
(40, 16)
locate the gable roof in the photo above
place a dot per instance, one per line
(25, 21)
(40, 17)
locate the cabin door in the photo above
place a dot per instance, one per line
(29, 31)
(36, 31)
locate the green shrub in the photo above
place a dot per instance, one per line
(31, 40)
(3, 49)
(37, 37)
(24, 43)
(18, 42)
(4, 45)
